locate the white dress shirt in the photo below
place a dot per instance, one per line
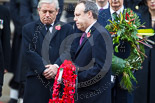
(51, 28)
(118, 11)
(105, 7)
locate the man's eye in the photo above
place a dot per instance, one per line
(51, 12)
(44, 11)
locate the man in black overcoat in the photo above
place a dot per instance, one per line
(41, 42)
(4, 42)
(92, 57)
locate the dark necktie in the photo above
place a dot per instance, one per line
(48, 27)
(82, 37)
(114, 15)
(100, 10)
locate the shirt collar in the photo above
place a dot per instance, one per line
(87, 30)
(105, 7)
(51, 28)
(118, 11)
(51, 24)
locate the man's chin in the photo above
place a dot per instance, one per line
(116, 5)
(79, 28)
(101, 2)
(47, 23)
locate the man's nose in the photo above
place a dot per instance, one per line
(114, 0)
(75, 18)
(47, 13)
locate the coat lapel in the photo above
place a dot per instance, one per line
(108, 16)
(86, 39)
(40, 27)
(83, 42)
(43, 29)
(55, 30)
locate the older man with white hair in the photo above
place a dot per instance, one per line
(41, 42)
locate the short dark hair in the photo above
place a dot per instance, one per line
(90, 6)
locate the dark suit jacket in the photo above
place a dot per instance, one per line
(41, 49)
(28, 11)
(147, 95)
(90, 57)
(124, 48)
(4, 42)
(105, 16)
(123, 52)
(132, 4)
(16, 56)
(103, 19)
(15, 15)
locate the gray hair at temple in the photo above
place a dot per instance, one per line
(50, 2)
(90, 6)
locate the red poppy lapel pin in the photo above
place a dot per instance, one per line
(58, 27)
(88, 34)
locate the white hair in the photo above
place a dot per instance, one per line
(50, 2)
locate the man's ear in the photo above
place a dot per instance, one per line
(38, 9)
(90, 14)
(57, 11)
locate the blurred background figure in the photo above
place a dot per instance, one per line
(145, 92)
(133, 4)
(119, 95)
(102, 4)
(4, 43)
(28, 11)
(70, 13)
(16, 83)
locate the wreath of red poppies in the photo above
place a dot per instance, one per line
(67, 70)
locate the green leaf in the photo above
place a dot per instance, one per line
(117, 65)
(119, 32)
(126, 82)
(116, 48)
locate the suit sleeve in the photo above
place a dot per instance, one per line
(99, 55)
(34, 60)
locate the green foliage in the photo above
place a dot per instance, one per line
(125, 26)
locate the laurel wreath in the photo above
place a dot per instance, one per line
(125, 27)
